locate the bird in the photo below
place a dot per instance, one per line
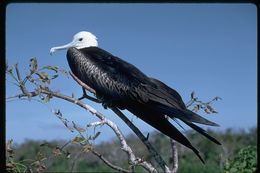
(120, 84)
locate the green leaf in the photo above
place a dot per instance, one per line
(54, 76)
(87, 148)
(49, 67)
(211, 109)
(243, 164)
(233, 170)
(207, 110)
(64, 72)
(43, 76)
(44, 144)
(196, 108)
(78, 140)
(96, 135)
(40, 156)
(47, 98)
(56, 151)
(79, 129)
(33, 65)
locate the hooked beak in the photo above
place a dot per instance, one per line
(66, 46)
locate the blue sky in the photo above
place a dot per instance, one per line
(208, 48)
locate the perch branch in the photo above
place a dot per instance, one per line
(144, 139)
(132, 158)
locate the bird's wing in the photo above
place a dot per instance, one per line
(126, 82)
(124, 78)
(158, 121)
(187, 116)
(168, 101)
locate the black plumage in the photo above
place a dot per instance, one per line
(120, 84)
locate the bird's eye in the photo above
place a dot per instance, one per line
(80, 39)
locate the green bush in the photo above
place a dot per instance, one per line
(244, 162)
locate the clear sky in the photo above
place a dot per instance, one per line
(208, 48)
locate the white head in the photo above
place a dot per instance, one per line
(80, 40)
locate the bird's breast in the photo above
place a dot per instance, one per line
(94, 75)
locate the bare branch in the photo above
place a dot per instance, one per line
(21, 84)
(174, 156)
(94, 124)
(33, 94)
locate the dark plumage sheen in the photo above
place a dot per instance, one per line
(122, 85)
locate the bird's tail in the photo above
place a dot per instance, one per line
(189, 118)
(159, 122)
(168, 129)
(203, 132)
(193, 117)
(185, 115)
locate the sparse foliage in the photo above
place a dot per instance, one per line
(200, 105)
(233, 140)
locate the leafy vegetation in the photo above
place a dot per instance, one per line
(245, 161)
(237, 154)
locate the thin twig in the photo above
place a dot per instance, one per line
(117, 168)
(190, 103)
(22, 87)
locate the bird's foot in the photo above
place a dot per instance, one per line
(107, 104)
(85, 95)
